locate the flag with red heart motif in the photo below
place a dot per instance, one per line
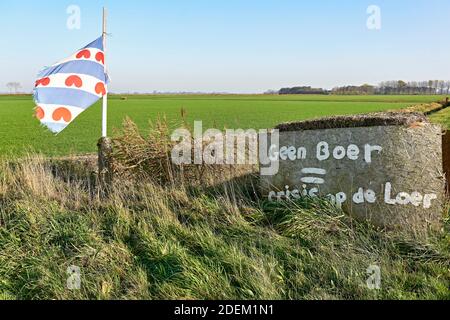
(67, 88)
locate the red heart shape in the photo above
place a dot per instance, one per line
(100, 88)
(39, 112)
(43, 82)
(62, 113)
(74, 80)
(84, 54)
(100, 57)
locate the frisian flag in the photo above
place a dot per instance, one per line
(69, 87)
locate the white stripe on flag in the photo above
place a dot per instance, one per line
(74, 81)
(57, 113)
(89, 54)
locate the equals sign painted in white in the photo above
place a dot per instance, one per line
(313, 171)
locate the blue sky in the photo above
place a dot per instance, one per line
(241, 46)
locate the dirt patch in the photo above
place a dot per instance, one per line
(356, 121)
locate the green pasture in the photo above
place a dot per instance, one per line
(20, 132)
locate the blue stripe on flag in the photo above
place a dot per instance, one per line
(65, 97)
(90, 68)
(98, 44)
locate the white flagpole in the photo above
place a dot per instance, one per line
(105, 97)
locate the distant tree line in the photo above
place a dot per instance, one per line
(398, 87)
(302, 90)
(429, 87)
(365, 89)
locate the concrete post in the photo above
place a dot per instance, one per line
(105, 169)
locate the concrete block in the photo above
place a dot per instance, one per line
(384, 168)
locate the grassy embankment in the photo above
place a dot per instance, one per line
(196, 238)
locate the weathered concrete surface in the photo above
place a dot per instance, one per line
(390, 175)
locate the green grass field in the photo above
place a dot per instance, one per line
(21, 133)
